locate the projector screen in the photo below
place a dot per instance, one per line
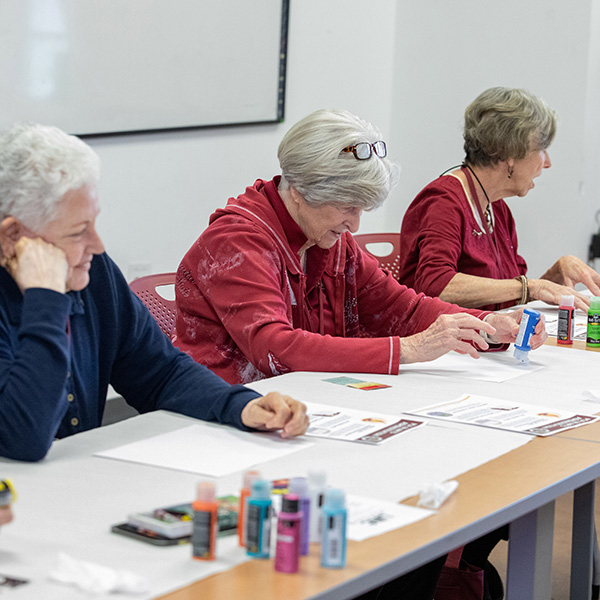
(115, 66)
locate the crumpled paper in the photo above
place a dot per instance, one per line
(435, 495)
(591, 395)
(97, 579)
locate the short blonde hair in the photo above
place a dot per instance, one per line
(503, 123)
(312, 162)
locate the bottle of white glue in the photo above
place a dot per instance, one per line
(529, 320)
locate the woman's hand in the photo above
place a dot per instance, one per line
(456, 332)
(37, 263)
(550, 292)
(507, 328)
(570, 270)
(276, 411)
(6, 515)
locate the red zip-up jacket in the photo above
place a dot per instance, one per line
(247, 310)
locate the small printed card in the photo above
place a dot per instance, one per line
(355, 425)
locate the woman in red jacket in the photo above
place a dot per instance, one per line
(276, 283)
(459, 240)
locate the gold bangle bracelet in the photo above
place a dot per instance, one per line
(524, 289)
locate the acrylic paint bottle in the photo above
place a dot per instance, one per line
(593, 324)
(529, 320)
(287, 548)
(206, 522)
(566, 321)
(249, 477)
(316, 491)
(258, 520)
(333, 543)
(299, 487)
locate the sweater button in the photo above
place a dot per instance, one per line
(74, 421)
(70, 397)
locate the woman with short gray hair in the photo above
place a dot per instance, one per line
(70, 325)
(459, 239)
(276, 283)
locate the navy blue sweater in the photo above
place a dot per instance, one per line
(59, 352)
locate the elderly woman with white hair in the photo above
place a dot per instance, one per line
(276, 283)
(70, 326)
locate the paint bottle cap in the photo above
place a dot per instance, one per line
(249, 477)
(299, 486)
(595, 303)
(568, 300)
(334, 498)
(290, 504)
(261, 489)
(317, 478)
(522, 355)
(7, 492)
(205, 491)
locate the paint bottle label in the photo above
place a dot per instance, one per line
(333, 541)
(566, 326)
(202, 535)
(258, 531)
(287, 551)
(523, 331)
(593, 329)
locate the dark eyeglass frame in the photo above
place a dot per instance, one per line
(378, 148)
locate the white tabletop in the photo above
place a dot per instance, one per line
(69, 501)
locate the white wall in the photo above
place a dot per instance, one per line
(158, 191)
(449, 52)
(410, 68)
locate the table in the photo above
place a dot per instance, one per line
(73, 498)
(481, 504)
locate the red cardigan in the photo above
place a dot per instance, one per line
(440, 237)
(247, 310)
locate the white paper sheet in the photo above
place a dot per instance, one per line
(206, 450)
(368, 518)
(490, 366)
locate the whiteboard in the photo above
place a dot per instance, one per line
(107, 66)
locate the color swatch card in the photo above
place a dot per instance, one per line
(355, 425)
(358, 384)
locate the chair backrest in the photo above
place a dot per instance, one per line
(385, 247)
(161, 308)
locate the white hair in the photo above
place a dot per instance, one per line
(38, 166)
(311, 160)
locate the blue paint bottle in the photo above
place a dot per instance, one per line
(529, 320)
(333, 542)
(258, 520)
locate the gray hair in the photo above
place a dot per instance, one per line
(503, 123)
(38, 166)
(311, 160)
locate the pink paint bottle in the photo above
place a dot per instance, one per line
(287, 548)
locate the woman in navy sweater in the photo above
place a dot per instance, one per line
(69, 325)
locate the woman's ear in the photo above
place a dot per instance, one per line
(11, 229)
(297, 197)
